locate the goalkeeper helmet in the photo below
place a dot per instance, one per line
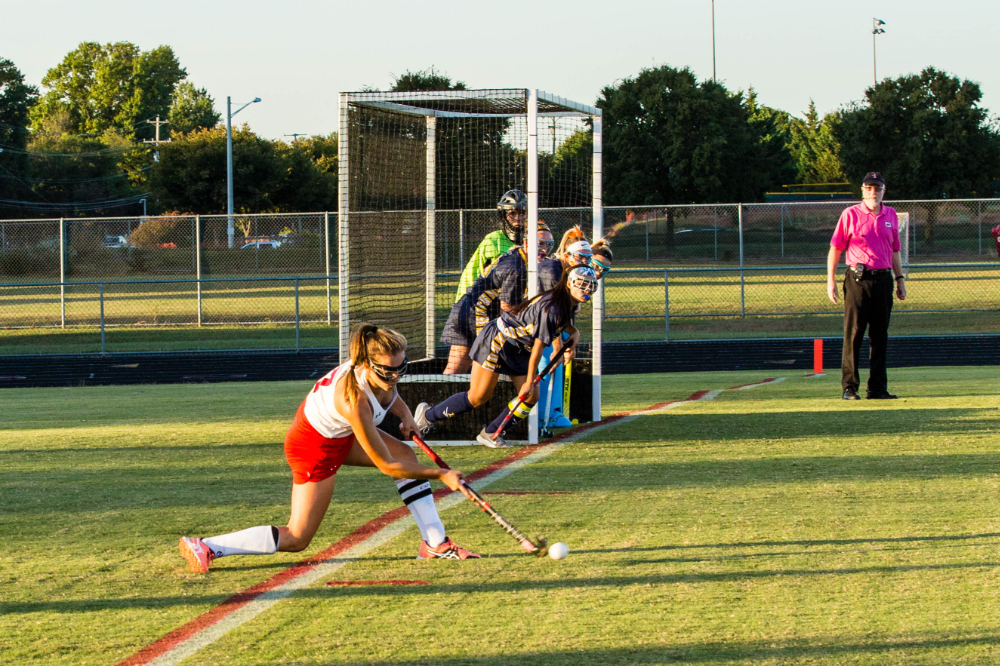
(584, 279)
(512, 201)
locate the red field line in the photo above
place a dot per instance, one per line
(391, 581)
(233, 603)
(527, 492)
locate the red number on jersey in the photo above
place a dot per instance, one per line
(326, 381)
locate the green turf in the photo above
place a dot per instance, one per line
(773, 525)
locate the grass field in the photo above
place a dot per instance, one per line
(772, 525)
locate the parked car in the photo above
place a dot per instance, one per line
(115, 241)
(262, 245)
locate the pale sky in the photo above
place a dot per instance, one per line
(297, 55)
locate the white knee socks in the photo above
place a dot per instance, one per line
(262, 540)
(418, 499)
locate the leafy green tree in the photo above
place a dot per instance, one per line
(813, 147)
(425, 79)
(772, 126)
(192, 109)
(77, 169)
(106, 87)
(16, 98)
(926, 133)
(475, 165)
(669, 139)
(566, 177)
(268, 176)
(928, 136)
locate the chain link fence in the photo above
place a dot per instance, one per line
(252, 281)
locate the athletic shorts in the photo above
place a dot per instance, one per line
(496, 354)
(312, 456)
(460, 329)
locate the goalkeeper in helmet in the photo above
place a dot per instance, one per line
(512, 210)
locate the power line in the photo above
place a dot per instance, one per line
(75, 205)
(69, 181)
(90, 153)
(28, 130)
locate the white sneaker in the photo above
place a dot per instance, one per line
(420, 416)
(486, 439)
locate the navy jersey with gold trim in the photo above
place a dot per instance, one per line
(540, 320)
(505, 280)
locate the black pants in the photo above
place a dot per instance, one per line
(867, 304)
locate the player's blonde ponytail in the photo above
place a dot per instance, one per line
(572, 235)
(367, 342)
(602, 247)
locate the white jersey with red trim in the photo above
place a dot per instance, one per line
(321, 411)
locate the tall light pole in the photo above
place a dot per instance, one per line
(876, 31)
(230, 231)
(713, 41)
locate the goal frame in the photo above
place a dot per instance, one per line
(410, 103)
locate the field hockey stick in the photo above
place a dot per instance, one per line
(546, 429)
(521, 399)
(540, 549)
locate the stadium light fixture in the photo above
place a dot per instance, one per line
(230, 229)
(876, 31)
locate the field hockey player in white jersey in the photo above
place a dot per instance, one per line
(337, 424)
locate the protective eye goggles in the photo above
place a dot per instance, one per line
(578, 259)
(545, 246)
(599, 268)
(390, 372)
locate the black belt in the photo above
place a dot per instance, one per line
(860, 270)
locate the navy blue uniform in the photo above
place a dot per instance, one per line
(506, 280)
(549, 274)
(504, 345)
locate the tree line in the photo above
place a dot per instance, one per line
(80, 146)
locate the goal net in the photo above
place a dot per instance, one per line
(417, 167)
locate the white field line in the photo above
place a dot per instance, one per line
(750, 386)
(252, 609)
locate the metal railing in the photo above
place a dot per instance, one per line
(671, 262)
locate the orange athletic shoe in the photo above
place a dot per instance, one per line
(446, 551)
(197, 554)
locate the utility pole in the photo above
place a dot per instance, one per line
(713, 41)
(876, 31)
(230, 229)
(295, 136)
(157, 140)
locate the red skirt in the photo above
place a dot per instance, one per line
(312, 456)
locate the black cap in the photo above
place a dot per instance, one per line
(874, 178)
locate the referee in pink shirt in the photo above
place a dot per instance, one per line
(870, 234)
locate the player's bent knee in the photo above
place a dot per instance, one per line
(479, 399)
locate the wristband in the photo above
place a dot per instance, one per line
(900, 277)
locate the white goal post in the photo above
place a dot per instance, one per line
(407, 159)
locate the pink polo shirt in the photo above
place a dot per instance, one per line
(869, 239)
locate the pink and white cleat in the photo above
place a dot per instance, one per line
(446, 551)
(197, 554)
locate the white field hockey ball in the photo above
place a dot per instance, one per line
(558, 551)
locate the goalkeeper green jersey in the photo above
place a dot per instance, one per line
(493, 246)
